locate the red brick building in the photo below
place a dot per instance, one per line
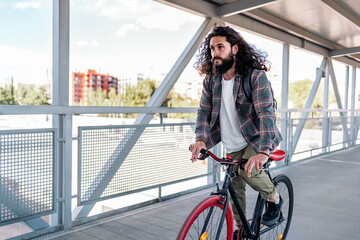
(91, 80)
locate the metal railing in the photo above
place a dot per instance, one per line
(323, 131)
(43, 170)
(27, 174)
(159, 158)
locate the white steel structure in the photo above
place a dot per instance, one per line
(326, 27)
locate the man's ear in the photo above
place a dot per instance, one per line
(234, 49)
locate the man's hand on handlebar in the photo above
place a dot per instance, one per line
(195, 149)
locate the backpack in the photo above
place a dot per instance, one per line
(247, 88)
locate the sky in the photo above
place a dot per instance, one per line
(121, 38)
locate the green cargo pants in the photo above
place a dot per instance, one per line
(258, 181)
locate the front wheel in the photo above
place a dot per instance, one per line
(203, 221)
(280, 230)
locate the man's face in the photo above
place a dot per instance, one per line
(221, 54)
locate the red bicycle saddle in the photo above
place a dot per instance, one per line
(277, 155)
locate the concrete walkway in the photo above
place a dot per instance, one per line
(327, 203)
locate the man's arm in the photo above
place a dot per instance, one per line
(263, 104)
(202, 120)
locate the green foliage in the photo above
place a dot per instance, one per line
(6, 97)
(23, 95)
(176, 100)
(300, 90)
(97, 98)
(31, 95)
(140, 94)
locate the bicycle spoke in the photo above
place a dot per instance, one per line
(205, 222)
(284, 188)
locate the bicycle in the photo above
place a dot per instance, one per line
(212, 218)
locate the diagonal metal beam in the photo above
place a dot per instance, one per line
(241, 6)
(22, 207)
(345, 51)
(308, 105)
(118, 157)
(343, 10)
(338, 100)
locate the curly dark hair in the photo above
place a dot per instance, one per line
(247, 57)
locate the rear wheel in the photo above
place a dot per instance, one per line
(203, 221)
(280, 230)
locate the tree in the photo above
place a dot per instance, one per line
(140, 94)
(113, 99)
(5, 97)
(31, 95)
(23, 95)
(7, 94)
(176, 100)
(97, 97)
(299, 92)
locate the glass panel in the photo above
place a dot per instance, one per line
(310, 141)
(127, 41)
(25, 52)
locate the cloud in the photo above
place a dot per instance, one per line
(26, 66)
(83, 43)
(112, 9)
(121, 9)
(27, 4)
(124, 29)
(147, 14)
(165, 18)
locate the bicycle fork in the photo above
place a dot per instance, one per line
(242, 216)
(222, 219)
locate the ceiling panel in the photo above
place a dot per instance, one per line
(316, 25)
(317, 17)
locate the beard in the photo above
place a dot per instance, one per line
(225, 65)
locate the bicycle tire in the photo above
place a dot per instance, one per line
(284, 188)
(194, 223)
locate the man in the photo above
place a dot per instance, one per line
(245, 127)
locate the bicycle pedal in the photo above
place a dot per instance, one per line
(204, 236)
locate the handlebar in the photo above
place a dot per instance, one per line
(277, 155)
(207, 153)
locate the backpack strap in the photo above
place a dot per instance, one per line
(247, 88)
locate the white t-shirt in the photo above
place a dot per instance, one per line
(231, 136)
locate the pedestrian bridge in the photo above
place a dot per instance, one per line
(326, 190)
(66, 174)
(104, 182)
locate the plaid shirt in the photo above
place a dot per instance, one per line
(256, 119)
